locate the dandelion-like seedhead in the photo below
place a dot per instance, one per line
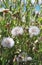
(17, 31)
(34, 31)
(29, 58)
(7, 42)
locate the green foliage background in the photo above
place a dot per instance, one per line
(24, 42)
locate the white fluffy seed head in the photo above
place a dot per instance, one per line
(7, 42)
(17, 31)
(34, 30)
(29, 58)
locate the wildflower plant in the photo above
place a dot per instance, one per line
(20, 32)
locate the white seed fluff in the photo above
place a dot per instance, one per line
(34, 30)
(29, 58)
(17, 31)
(7, 42)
